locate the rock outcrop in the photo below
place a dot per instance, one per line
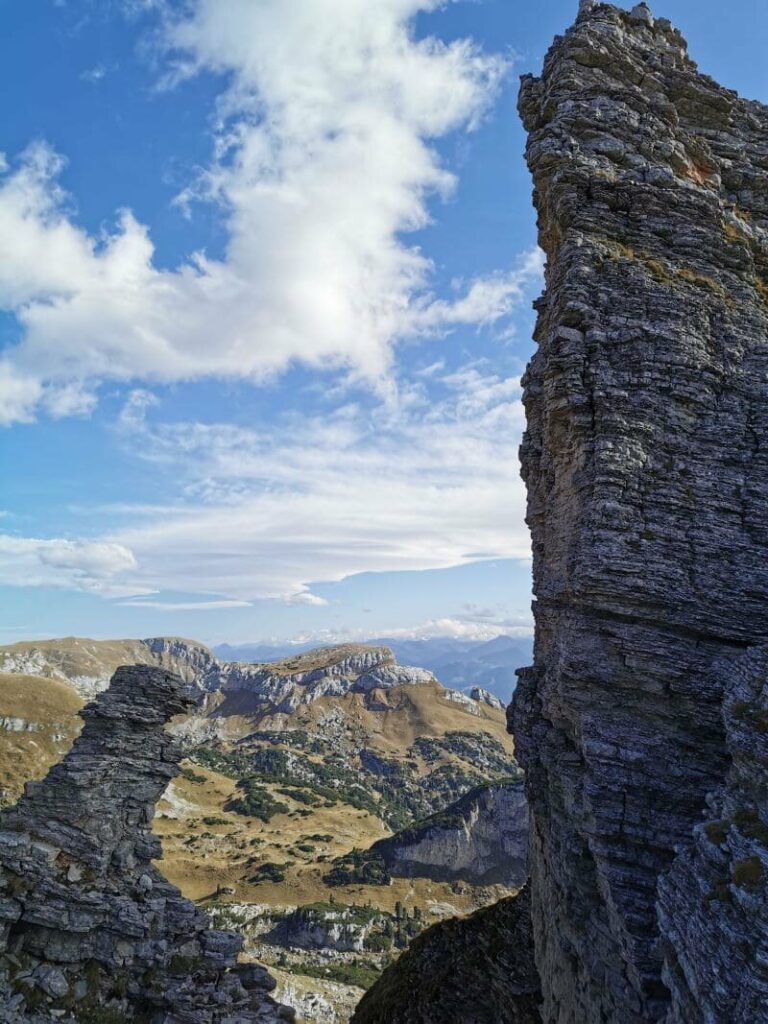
(646, 465)
(482, 838)
(281, 686)
(466, 970)
(89, 928)
(485, 697)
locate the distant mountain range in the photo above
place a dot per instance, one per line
(460, 664)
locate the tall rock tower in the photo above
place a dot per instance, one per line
(643, 724)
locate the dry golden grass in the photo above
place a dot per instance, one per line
(390, 720)
(49, 705)
(78, 656)
(222, 857)
(386, 722)
(320, 658)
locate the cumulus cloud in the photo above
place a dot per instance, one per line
(461, 629)
(324, 161)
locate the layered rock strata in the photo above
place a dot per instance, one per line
(466, 970)
(89, 928)
(646, 465)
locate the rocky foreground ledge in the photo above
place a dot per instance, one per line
(90, 930)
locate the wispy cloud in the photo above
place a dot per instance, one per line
(94, 74)
(428, 485)
(325, 160)
(462, 629)
(263, 513)
(185, 606)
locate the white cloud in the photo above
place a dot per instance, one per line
(324, 161)
(94, 74)
(424, 485)
(186, 606)
(427, 485)
(308, 598)
(460, 629)
(93, 566)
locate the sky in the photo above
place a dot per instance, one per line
(266, 273)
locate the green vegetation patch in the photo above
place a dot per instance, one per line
(360, 974)
(268, 872)
(358, 867)
(255, 802)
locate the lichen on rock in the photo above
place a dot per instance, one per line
(89, 928)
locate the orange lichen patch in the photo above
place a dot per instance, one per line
(699, 174)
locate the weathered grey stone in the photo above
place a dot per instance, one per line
(647, 474)
(713, 903)
(469, 970)
(88, 922)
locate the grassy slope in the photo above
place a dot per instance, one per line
(389, 721)
(220, 857)
(50, 705)
(74, 656)
(322, 657)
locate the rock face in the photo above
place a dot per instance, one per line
(712, 908)
(340, 928)
(485, 697)
(482, 838)
(88, 926)
(647, 472)
(472, 970)
(327, 672)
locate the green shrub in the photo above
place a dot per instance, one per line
(269, 872)
(255, 802)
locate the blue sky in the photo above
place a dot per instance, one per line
(265, 283)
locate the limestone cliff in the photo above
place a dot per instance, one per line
(89, 928)
(646, 465)
(482, 838)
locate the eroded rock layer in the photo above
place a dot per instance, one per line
(646, 465)
(713, 911)
(89, 928)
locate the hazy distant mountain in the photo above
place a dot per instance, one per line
(258, 652)
(461, 664)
